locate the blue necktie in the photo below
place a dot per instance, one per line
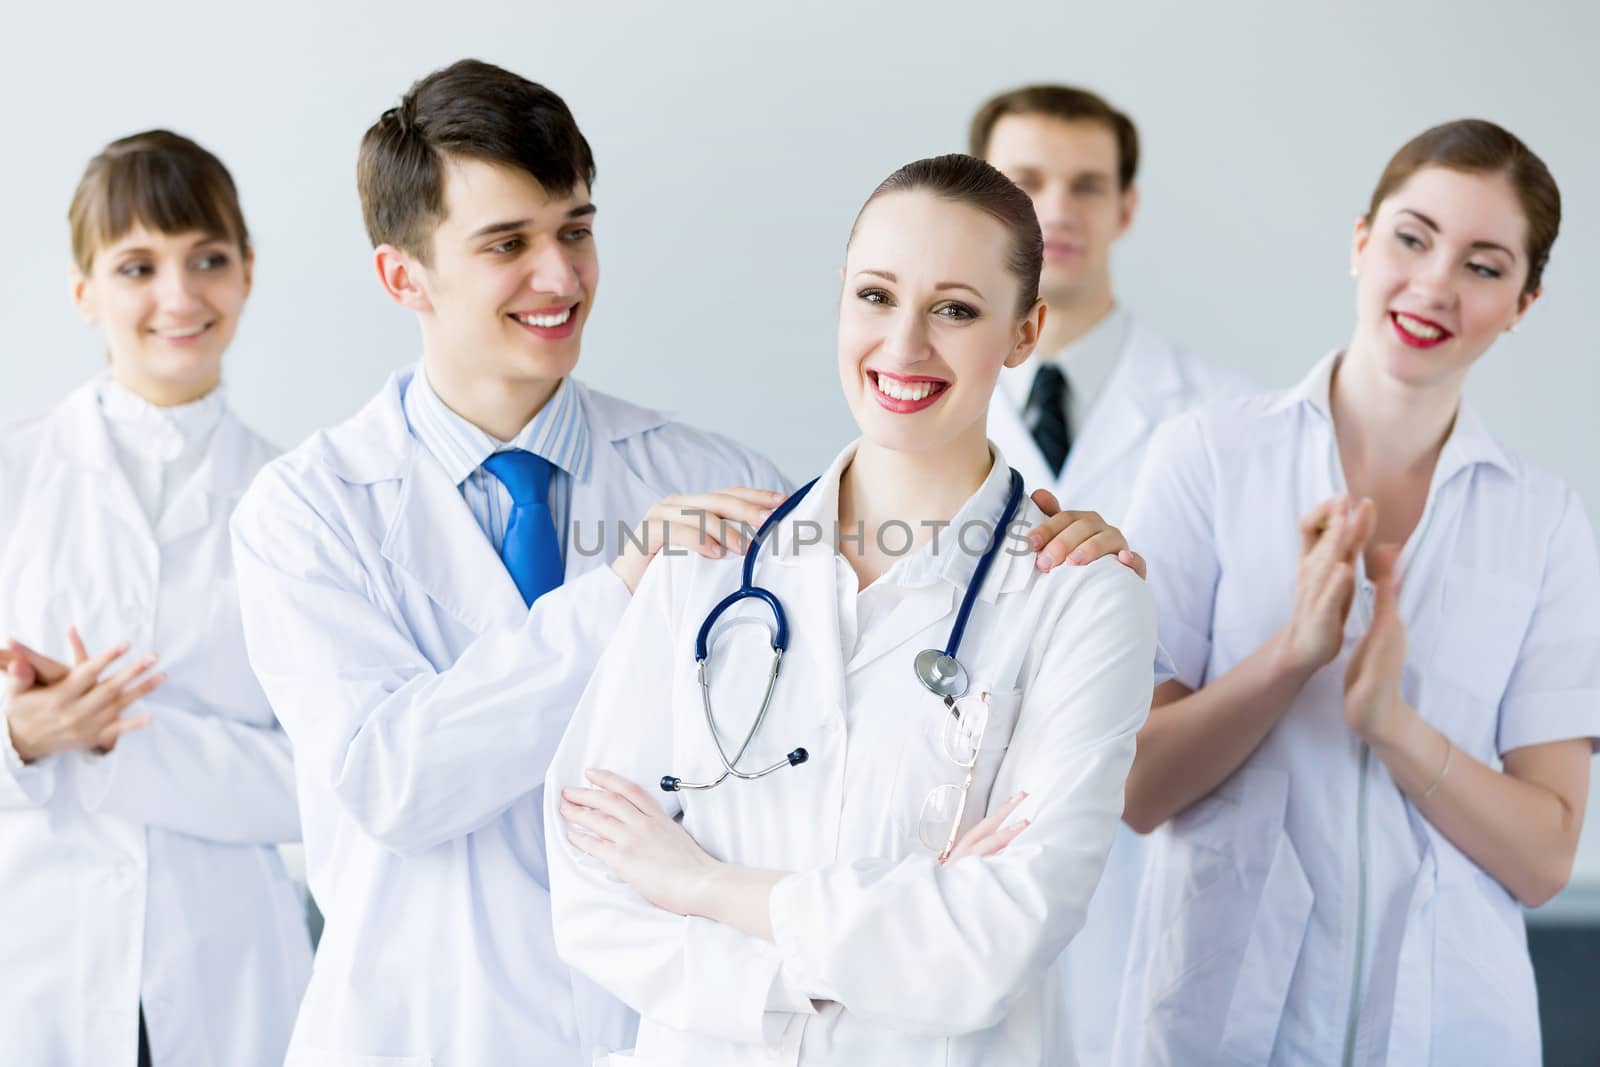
(531, 549)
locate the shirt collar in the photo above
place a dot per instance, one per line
(559, 432)
(158, 433)
(1469, 443)
(956, 558)
(1088, 361)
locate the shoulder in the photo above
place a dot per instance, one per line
(1214, 380)
(680, 587)
(251, 449)
(296, 489)
(1520, 495)
(52, 428)
(1196, 377)
(1232, 426)
(371, 445)
(1100, 589)
(673, 456)
(21, 441)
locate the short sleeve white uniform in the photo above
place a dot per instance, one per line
(1304, 912)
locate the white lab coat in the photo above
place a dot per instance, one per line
(1153, 381)
(148, 873)
(1252, 924)
(424, 700)
(918, 963)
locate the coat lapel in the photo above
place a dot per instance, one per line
(920, 610)
(613, 498)
(1146, 387)
(81, 435)
(230, 461)
(432, 539)
(808, 588)
(437, 544)
(1010, 434)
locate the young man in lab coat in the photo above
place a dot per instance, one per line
(1075, 419)
(425, 588)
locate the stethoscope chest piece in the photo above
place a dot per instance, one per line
(941, 674)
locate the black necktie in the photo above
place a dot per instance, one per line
(1046, 415)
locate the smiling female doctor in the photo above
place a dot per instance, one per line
(806, 916)
(1361, 782)
(147, 916)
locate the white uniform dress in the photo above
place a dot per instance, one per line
(1304, 913)
(881, 955)
(425, 698)
(147, 875)
(1125, 380)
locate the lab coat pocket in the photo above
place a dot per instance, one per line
(1483, 619)
(928, 764)
(1234, 925)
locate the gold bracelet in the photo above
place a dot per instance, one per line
(1449, 753)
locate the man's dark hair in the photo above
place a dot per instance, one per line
(468, 110)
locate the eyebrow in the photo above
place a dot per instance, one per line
(1492, 246)
(583, 211)
(887, 276)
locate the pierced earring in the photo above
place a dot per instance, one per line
(1352, 272)
(1512, 328)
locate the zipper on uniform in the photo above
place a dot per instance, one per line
(1364, 599)
(1361, 908)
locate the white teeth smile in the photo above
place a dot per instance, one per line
(192, 331)
(1417, 327)
(559, 318)
(909, 391)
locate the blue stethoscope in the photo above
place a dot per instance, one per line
(940, 672)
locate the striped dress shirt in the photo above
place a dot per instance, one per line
(558, 432)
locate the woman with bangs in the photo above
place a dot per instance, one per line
(898, 890)
(148, 917)
(1359, 783)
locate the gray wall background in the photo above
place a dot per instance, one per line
(735, 142)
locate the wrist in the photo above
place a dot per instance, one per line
(1288, 665)
(18, 738)
(1397, 729)
(630, 567)
(709, 889)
